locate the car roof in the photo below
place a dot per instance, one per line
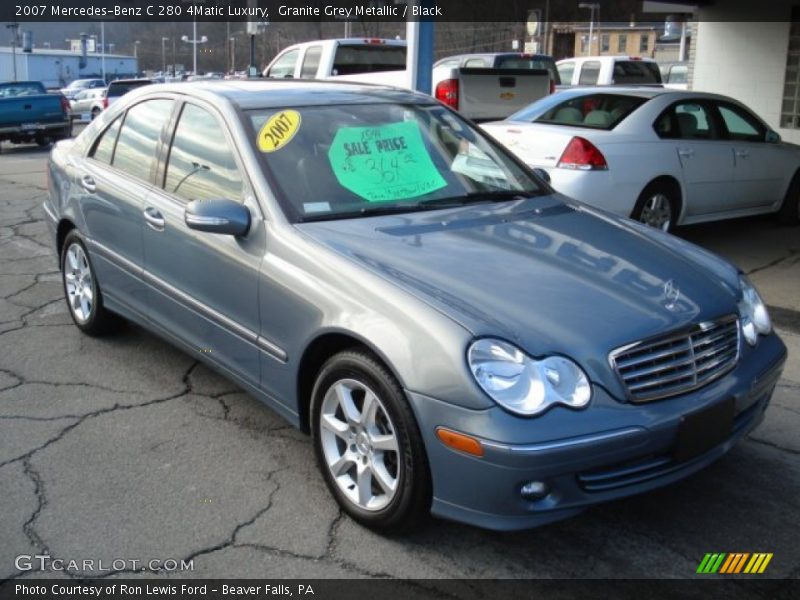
(252, 94)
(605, 58)
(643, 92)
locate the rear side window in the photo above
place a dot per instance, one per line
(686, 121)
(565, 71)
(741, 125)
(201, 165)
(311, 62)
(590, 73)
(103, 150)
(138, 138)
(598, 111)
(636, 72)
(368, 58)
(679, 74)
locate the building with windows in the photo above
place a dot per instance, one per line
(57, 68)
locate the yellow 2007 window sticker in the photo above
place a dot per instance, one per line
(279, 130)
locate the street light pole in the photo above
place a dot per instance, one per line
(233, 54)
(163, 55)
(103, 48)
(592, 6)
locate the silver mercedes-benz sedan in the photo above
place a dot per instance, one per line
(458, 338)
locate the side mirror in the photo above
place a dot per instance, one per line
(218, 216)
(542, 174)
(772, 137)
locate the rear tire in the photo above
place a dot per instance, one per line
(367, 443)
(789, 212)
(657, 207)
(95, 112)
(82, 291)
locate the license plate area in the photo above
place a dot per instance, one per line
(700, 431)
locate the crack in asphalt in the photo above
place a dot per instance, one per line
(773, 445)
(774, 263)
(96, 413)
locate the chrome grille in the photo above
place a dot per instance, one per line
(678, 362)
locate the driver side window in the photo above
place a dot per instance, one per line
(201, 164)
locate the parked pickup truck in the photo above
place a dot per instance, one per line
(609, 70)
(480, 93)
(29, 114)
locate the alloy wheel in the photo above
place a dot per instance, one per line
(79, 283)
(360, 445)
(657, 212)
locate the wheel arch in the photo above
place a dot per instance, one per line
(673, 183)
(317, 352)
(63, 229)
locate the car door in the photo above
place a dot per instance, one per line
(115, 178)
(759, 170)
(203, 287)
(690, 128)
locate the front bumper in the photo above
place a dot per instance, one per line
(629, 451)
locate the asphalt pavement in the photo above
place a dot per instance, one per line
(126, 449)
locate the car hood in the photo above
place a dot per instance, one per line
(549, 274)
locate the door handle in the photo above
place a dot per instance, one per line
(154, 218)
(742, 153)
(88, 184)
(686, 152)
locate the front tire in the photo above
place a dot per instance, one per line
(367, 443)
(657, 207)
(81, 290)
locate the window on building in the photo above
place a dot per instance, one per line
(790, 106)
(644, 42)
(605, 43)
(622, 43)
(584, 43)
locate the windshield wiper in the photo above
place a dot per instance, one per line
(473, 197)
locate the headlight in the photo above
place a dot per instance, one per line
(523, 385)
(753, 313)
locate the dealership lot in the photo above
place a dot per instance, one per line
(126, 449)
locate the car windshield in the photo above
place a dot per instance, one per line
(352, 59)
(597, 111)
(356, 160)
(636, 72)
(120, 88)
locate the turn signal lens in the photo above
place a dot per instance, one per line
(459, 441)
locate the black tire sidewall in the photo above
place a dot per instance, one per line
(413, 486)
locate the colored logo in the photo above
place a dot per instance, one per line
(734, 563)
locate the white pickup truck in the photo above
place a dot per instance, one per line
(481, 94)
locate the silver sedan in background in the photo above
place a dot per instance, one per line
(86, 105)
(662, 157)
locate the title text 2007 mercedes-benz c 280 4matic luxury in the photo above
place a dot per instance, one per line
(457, 337)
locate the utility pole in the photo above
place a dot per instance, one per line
(103, 49)
(164, 55)
(14, 27)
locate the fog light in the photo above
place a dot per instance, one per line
(534, 490)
